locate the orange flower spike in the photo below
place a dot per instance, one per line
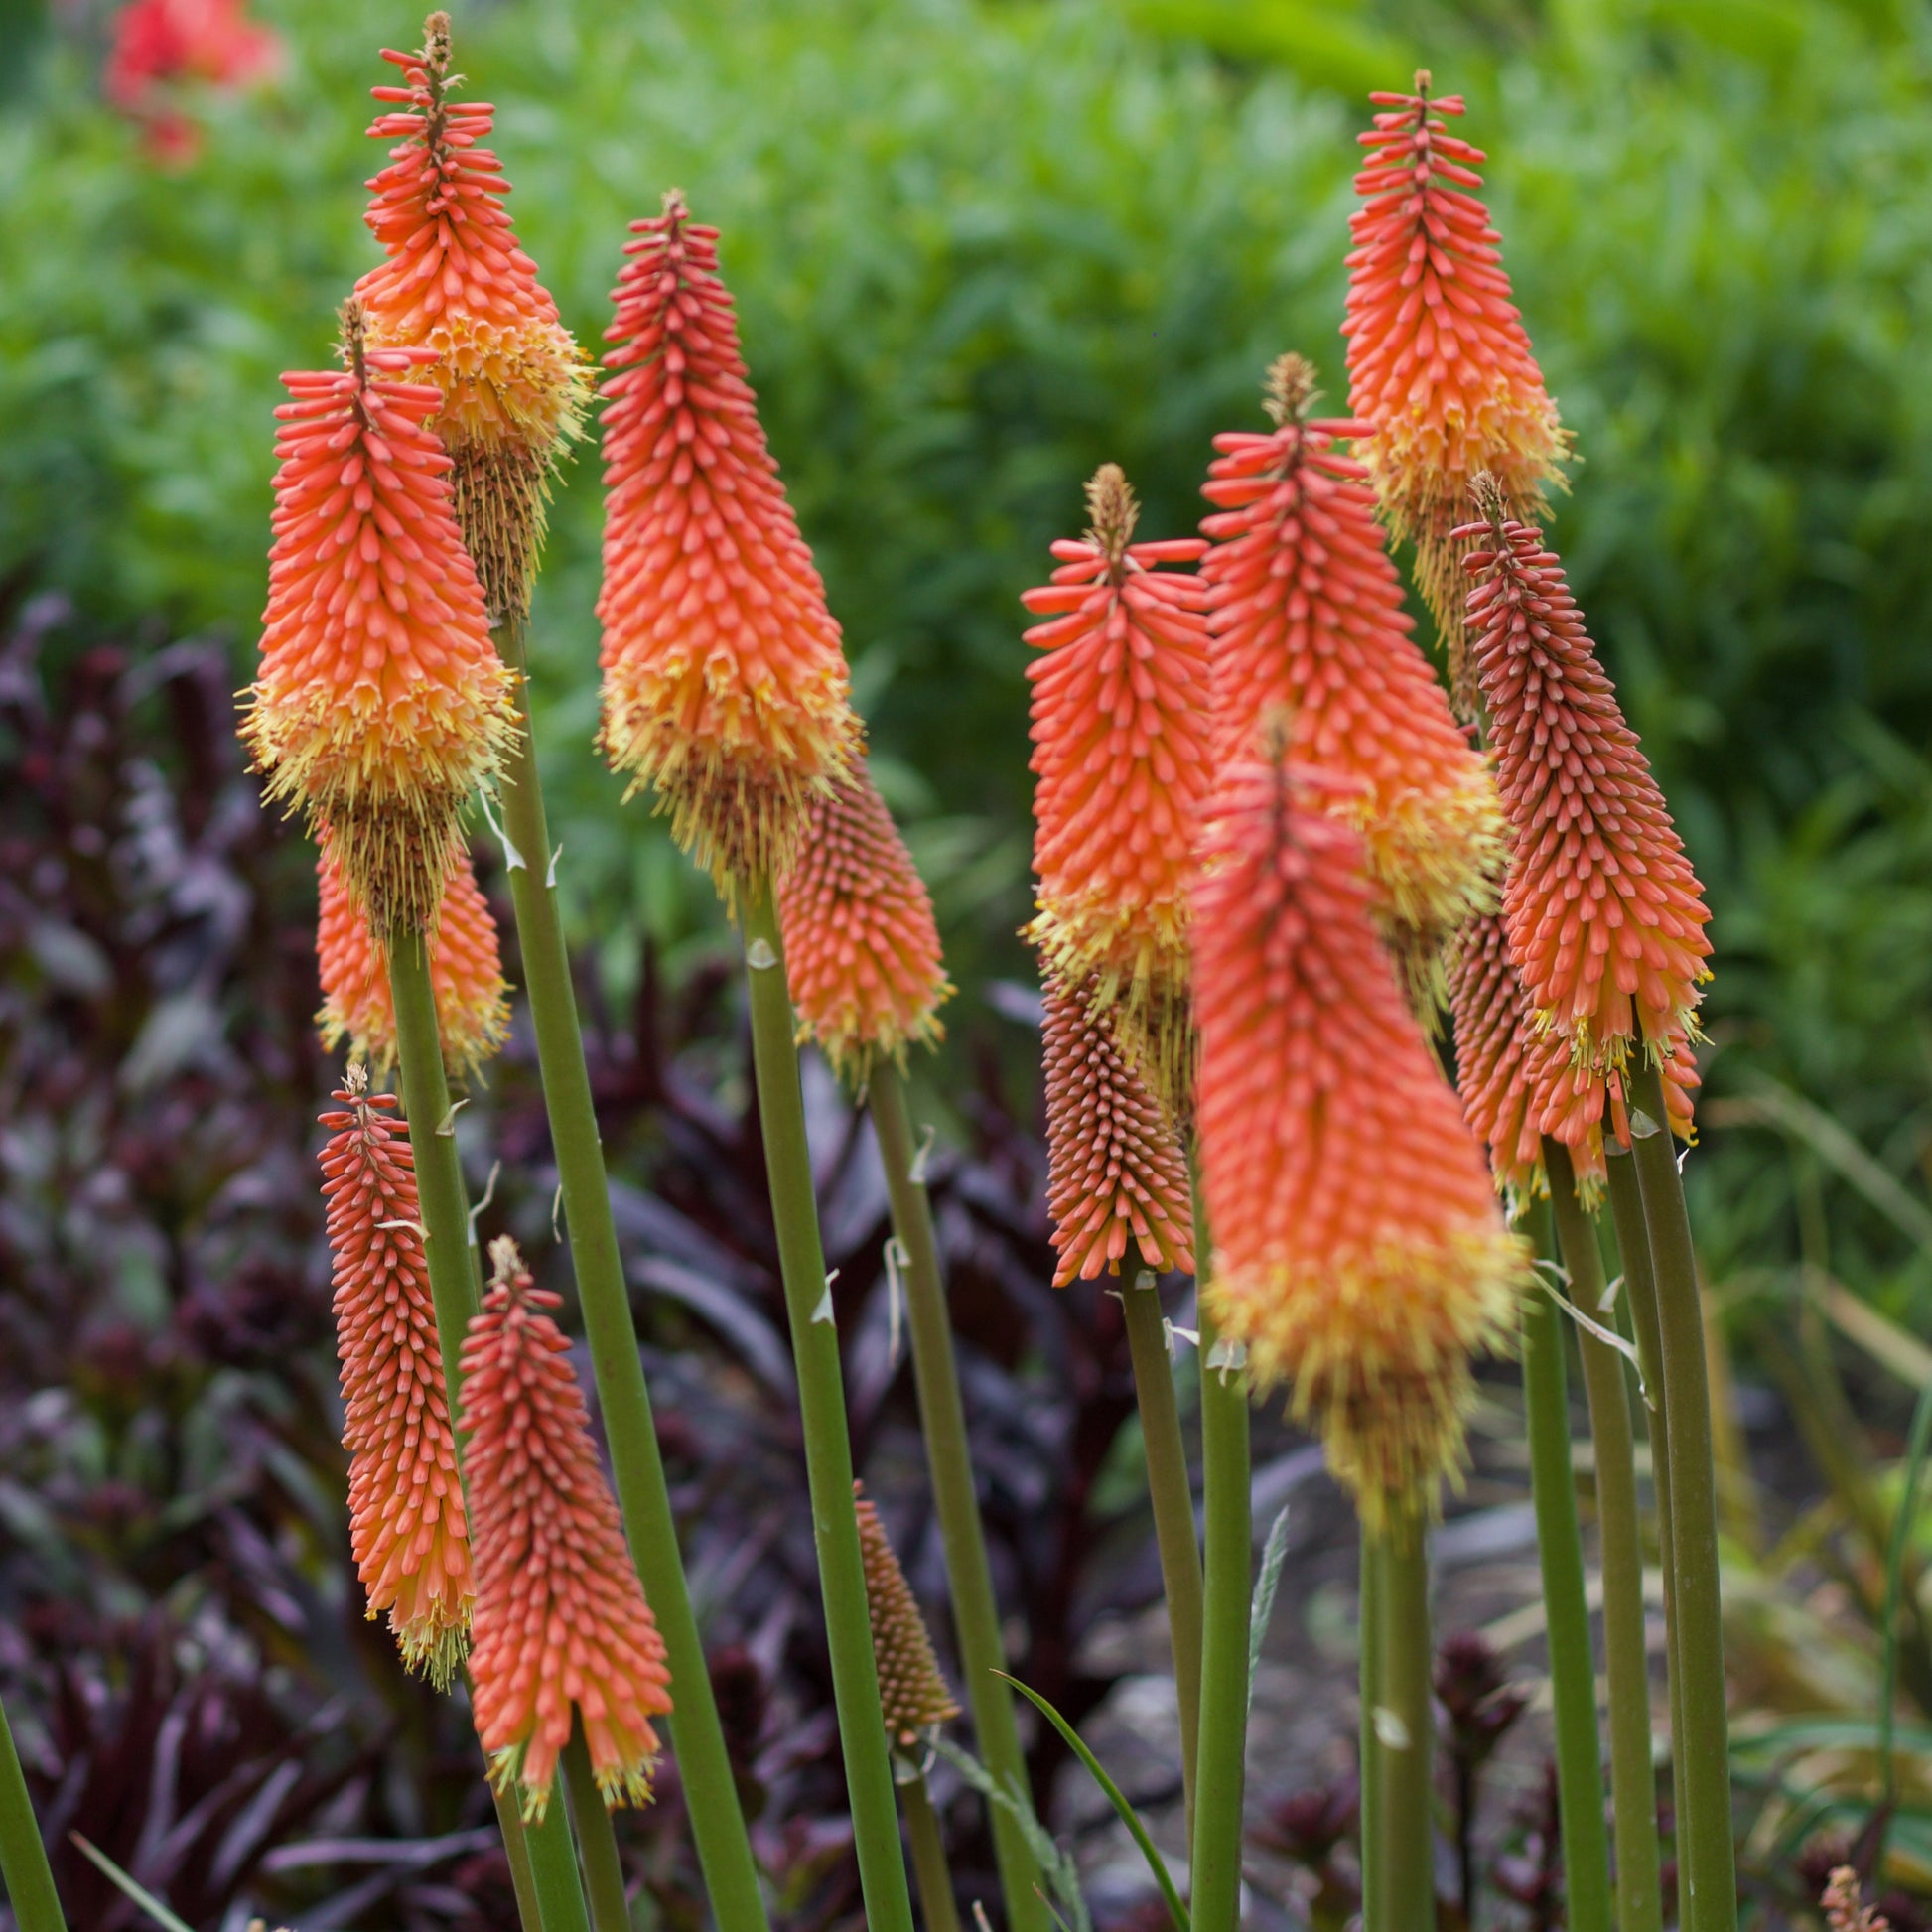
(724, 682)
(1438, 362)
(1119, 758)
(454, 281)
(1115, 1165)
(1359, 1252)
(466, 971)
(913, 1693)
(1308, 625)
(561, 1629)
(380, 703)
(407, 1528)
(1605, 916)
(862, 948)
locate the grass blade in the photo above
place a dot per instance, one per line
(1902, 1529)
(144, 1898)
(1274, 1551)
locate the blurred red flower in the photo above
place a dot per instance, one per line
(157, 44)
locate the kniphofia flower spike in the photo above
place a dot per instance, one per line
(1308, 631)
(1605, 916)
(562, 1630)
(862, 948)
(380, 703)
(724, 681)
(466, 971)
(407, 1528)
(912, 1691)
(454, 281)
(1120, 762)
(1359, 1251)
(1115, 1164)
(1438, 362)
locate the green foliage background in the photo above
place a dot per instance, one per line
(981, 247)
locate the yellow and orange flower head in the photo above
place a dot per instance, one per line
(1605, 916)
(466, 970)
(862, 948)
(407, 1528)
(724, 682)
(1120, 762)
(1359, 1250)
(1115, 1165)
(514, 385)
(1307, 626)
(380, 703)
(1438, 362)
(561, 1629)
(913, 1693)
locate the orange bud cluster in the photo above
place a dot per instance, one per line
(466, 971)
(912, 1691)
(455, 282)
(1605, 916)
(380, 703)
(1311, 640)
(407, 1528)
(1359, 1252)
(724, 682)
(1120, 758)
(1438, 362)
(1115, 1165)
(862, 948)
(562, 1630)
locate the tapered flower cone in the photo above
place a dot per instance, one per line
(407, 1528)
(562, 1630)
(912, 1688)
(1438, 362)
(1120, 762)
(514, 385)
(862, 948)
(466, 971)
(380, 703)
(1359, 1251)
(1605, 916)
(1308, 633)
(1115, 1165)
(724, 682)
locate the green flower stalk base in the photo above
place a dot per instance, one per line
(517, 1848)
(942, 1422)
(597, 1839)
(22, 1854)
(1368, 1637)
(937, 1905)
(1404, 1887)
(821, 1402)
(558, 1884)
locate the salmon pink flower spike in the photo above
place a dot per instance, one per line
(562, 1630)
(1605, 916)
(913, 1693)
(513, 383)
(1359, 1251)
(380, 703)
(862, 948)
(1438, 362)
(724, 681)
(1120, 759)
(1308, 628)
(1115, 1164)
(407, 1529)
(466, 971)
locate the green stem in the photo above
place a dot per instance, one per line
(937, 1906)
(517, 1848)
(949, 1466)
(553, 1872)
(1220, 1776)
(821, 1403)
(1706, 1859)
(703, 1763)
(23, 1854)
(597, 1839)
(1633, 1780)
(1370, 1594)
(1405, 1885)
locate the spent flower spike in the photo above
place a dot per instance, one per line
(561, 1631)
(1359, 1251)
(408, 1531)
(725, 684)
(913, 1693)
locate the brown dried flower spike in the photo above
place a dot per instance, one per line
(912, 1692)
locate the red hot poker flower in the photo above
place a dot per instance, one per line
(407, 1528)
(724, 682)
(913, 1694)
(1119, 759)
(562, 1630)
(1605, 916)
(1359, 1253)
